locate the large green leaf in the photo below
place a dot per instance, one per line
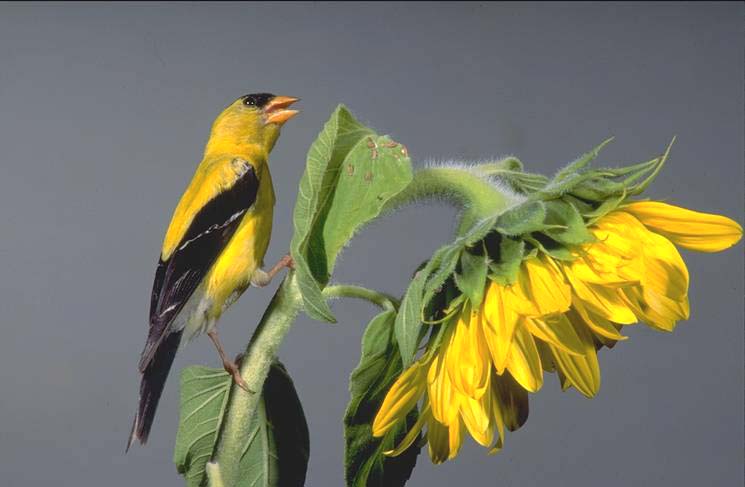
(350, 174)
(277, 453)
(380, 365)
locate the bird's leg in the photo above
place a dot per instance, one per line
(261, 278)
(230, 366)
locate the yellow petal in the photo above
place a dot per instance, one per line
(455, 436)
(598, 324)
(606, 302)
(541, 289)
(496, 412)
(524, 363)
(499, 325)
(547, 361)
(615, 257)
(437, 437)
(704, 232)
(656, 310)
(475, 415)
(467, 357)
(665, 272)
(401, 397)
(583, 372)
(512, 399)
(558, 331)
(411, 435)
(442, 395)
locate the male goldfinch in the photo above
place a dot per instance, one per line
(215, 244)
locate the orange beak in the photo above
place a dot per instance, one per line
(276, 110)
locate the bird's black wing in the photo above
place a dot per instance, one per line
(210, 231)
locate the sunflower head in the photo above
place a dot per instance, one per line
(540, 287)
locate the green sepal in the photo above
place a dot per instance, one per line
(379, 367)
(573, 229)
(524, 218)
(472, 276)
(504, 267)
(581, 162)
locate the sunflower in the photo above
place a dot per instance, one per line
(554, 317)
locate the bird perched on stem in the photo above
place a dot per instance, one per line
(215, 244)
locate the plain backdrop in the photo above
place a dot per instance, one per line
(104, 110)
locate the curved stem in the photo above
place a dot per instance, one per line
(473, 193)
(382, 300)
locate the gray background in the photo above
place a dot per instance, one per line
(104, 110)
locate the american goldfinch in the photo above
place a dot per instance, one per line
(215, 244)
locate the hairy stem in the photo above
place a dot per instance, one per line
(379, 299)
(260, 353)
(474, 194)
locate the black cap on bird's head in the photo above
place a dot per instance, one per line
(274, 107)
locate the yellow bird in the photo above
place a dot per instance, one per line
(215, 244)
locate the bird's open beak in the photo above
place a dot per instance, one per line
(276, 110)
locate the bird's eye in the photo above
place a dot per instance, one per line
(257, 99)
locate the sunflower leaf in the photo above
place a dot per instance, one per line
(408, 321)
(380, 365)
(278, 452)
(350, 174)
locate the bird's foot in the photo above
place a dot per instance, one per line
(232, 369)
(262, 279)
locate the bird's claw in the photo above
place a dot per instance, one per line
(235, 373)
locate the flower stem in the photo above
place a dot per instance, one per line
(468, 189)
(384, 301)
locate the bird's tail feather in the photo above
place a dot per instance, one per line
(153, 379)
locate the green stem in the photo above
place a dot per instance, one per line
(223, 470)
(382, 300)
(260, 353)
(473, 193)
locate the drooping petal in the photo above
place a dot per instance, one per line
(411, 435)
(604, 301)
(558, 331)
(401, 397)
(598, 324)
(455, 437)
(467, 356)
(704, 232)
(665, 271)
(583, 372)
(524, 363)
(475, 415)
(547, 360)
(541, 289)
(438, 439)
(513, 401)
(443, 398)
(499, 326)
(656, 310)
